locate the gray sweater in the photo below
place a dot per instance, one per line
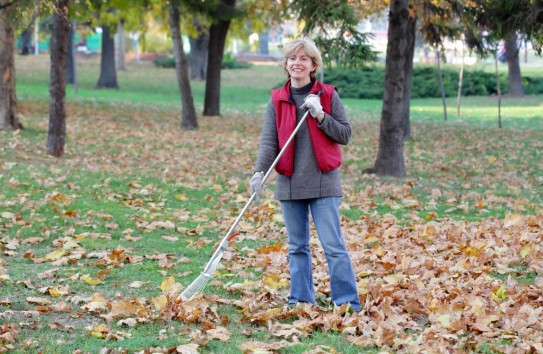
(307, 180)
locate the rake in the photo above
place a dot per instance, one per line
(198, 285)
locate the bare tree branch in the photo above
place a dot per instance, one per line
(7, 4)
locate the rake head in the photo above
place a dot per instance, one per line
(195, 288)
(198, 285)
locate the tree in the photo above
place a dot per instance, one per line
(199, 44)
(108, 72)
(71, 74)
(26, 41)
(109, 14)
(222, 16)
(502, 20)
(440, 21)
(512, 48)
(408, 72)
(8, 100)
(121, 46)
(188, 116)
(334, 26)
(57, 90)
(390, 156)
(208, 41)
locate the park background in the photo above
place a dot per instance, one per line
(97, 244)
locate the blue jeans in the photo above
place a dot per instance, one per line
(325, 212)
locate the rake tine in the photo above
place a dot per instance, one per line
(198, 285)
(195, 288)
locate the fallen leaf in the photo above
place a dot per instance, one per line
(89, 280)
(219, 333)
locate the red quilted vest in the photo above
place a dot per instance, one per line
(327, 151)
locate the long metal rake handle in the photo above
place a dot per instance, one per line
(224, 242)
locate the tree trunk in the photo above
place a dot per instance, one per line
(8, 100)
(498, 89)
(217, 39)
(460, 81)
(390, 159)
(57, 89)
(26, 41)
(136, 43)
(121, 47)
(36, 36)
(198, 53)
(513, 63)
(70, 66)
(441, 86)
(108, 74)
(408, 72)
(264, 41)
(188, 116)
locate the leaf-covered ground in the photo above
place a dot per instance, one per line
(97, 246)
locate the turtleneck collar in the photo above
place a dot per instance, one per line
(302, 90)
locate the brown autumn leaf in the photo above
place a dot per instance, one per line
(100, 331)
(55, 291)
(61, 306)
(274, 248)
(171, 238)
(159, 303)
(219, 333)
(126, 308)
(3, 274)
(513, 220)
(41, 301)
(127, 322)
(97, 304)
(426, 280)
(139, 284)
(55, 255)
(86, 278)
(169, 286)
(262, 347)
(187, 349)
(9, 333)
(60, 327)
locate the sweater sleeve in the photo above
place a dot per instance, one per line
(269, 146)
(337, 126)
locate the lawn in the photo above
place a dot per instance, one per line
(97, 245)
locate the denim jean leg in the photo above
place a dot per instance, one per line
(296, 216)
(325, 212)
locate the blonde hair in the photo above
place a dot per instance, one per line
(292, 46)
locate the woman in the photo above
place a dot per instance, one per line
(308, 172)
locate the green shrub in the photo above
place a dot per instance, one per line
(168, 62)
(228, 63)
(532, 85)
(368, 82)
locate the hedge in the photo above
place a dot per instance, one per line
(368, 82)
(228, 63)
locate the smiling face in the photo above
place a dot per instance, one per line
(299, 66)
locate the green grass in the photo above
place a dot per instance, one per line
(128, 168)
(247, 92)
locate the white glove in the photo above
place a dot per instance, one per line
(313, 104)
(256, 185)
